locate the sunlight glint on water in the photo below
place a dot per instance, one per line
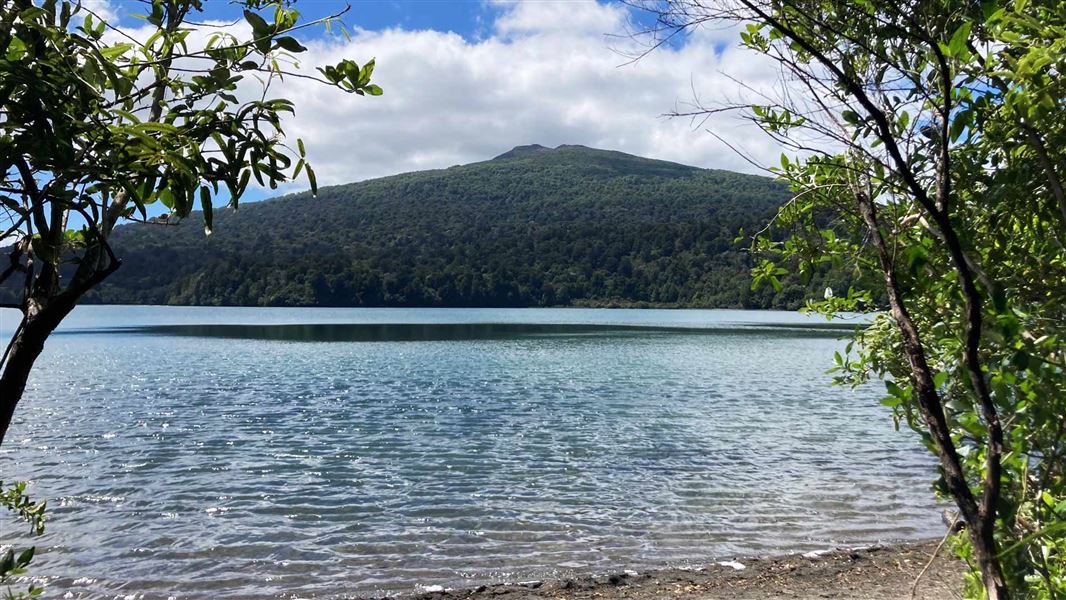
(188, 466)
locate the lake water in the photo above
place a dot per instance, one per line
(258, 453)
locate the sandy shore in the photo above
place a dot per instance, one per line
(880, 573)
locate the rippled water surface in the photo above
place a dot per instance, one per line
(258, 453)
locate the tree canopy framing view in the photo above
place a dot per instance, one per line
(923, 183)
(925, 131)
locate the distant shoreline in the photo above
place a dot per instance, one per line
(619, 306)
(606, 304)
(875, 573)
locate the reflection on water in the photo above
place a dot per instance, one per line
(202, 454)
(407, 332)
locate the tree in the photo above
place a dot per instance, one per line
(929, 155)
(99, 123)
(14, 500)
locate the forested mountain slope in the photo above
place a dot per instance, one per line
(532, 227)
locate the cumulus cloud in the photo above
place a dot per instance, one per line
(102, 9)
(549, 73)
(532, 17)
(546, 72)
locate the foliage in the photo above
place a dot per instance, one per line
(97, 124)
(568, 226)
(100, 123)
(14, 499)
(931, 136)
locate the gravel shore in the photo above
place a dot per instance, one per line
(879, 573)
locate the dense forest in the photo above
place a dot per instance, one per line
(532, 227)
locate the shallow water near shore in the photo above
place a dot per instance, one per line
(253, 453)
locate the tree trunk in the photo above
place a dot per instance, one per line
(984, 545)
(980, 523)
(25, 348)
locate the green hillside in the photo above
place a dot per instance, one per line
(532, 227)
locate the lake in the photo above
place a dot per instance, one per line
(258, 453)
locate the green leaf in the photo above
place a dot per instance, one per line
(32, 13)
(940, 379)
(206, 207)
(159, 127)
(960, 123)
(167, 198)
(1021, 360)
(367, 71)
(290, 44)
(74, 237)
(894, 389)
(1053, 528)
(916, 257)
(113, 52)
(260, 28)
(241, 186)
(132, 118)
(999, 299)
(312, 179)
(957, 45)
(15, 49)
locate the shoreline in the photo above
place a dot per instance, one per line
(874, 573)
(636, 305)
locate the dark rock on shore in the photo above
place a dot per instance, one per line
(878, 573)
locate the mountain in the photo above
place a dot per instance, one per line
(532, 227)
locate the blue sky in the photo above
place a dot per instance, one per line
(471, 19)
(464, 18)
(466, 81)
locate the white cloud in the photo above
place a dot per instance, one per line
(101, 9)
(548, 74)
(559, 16)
